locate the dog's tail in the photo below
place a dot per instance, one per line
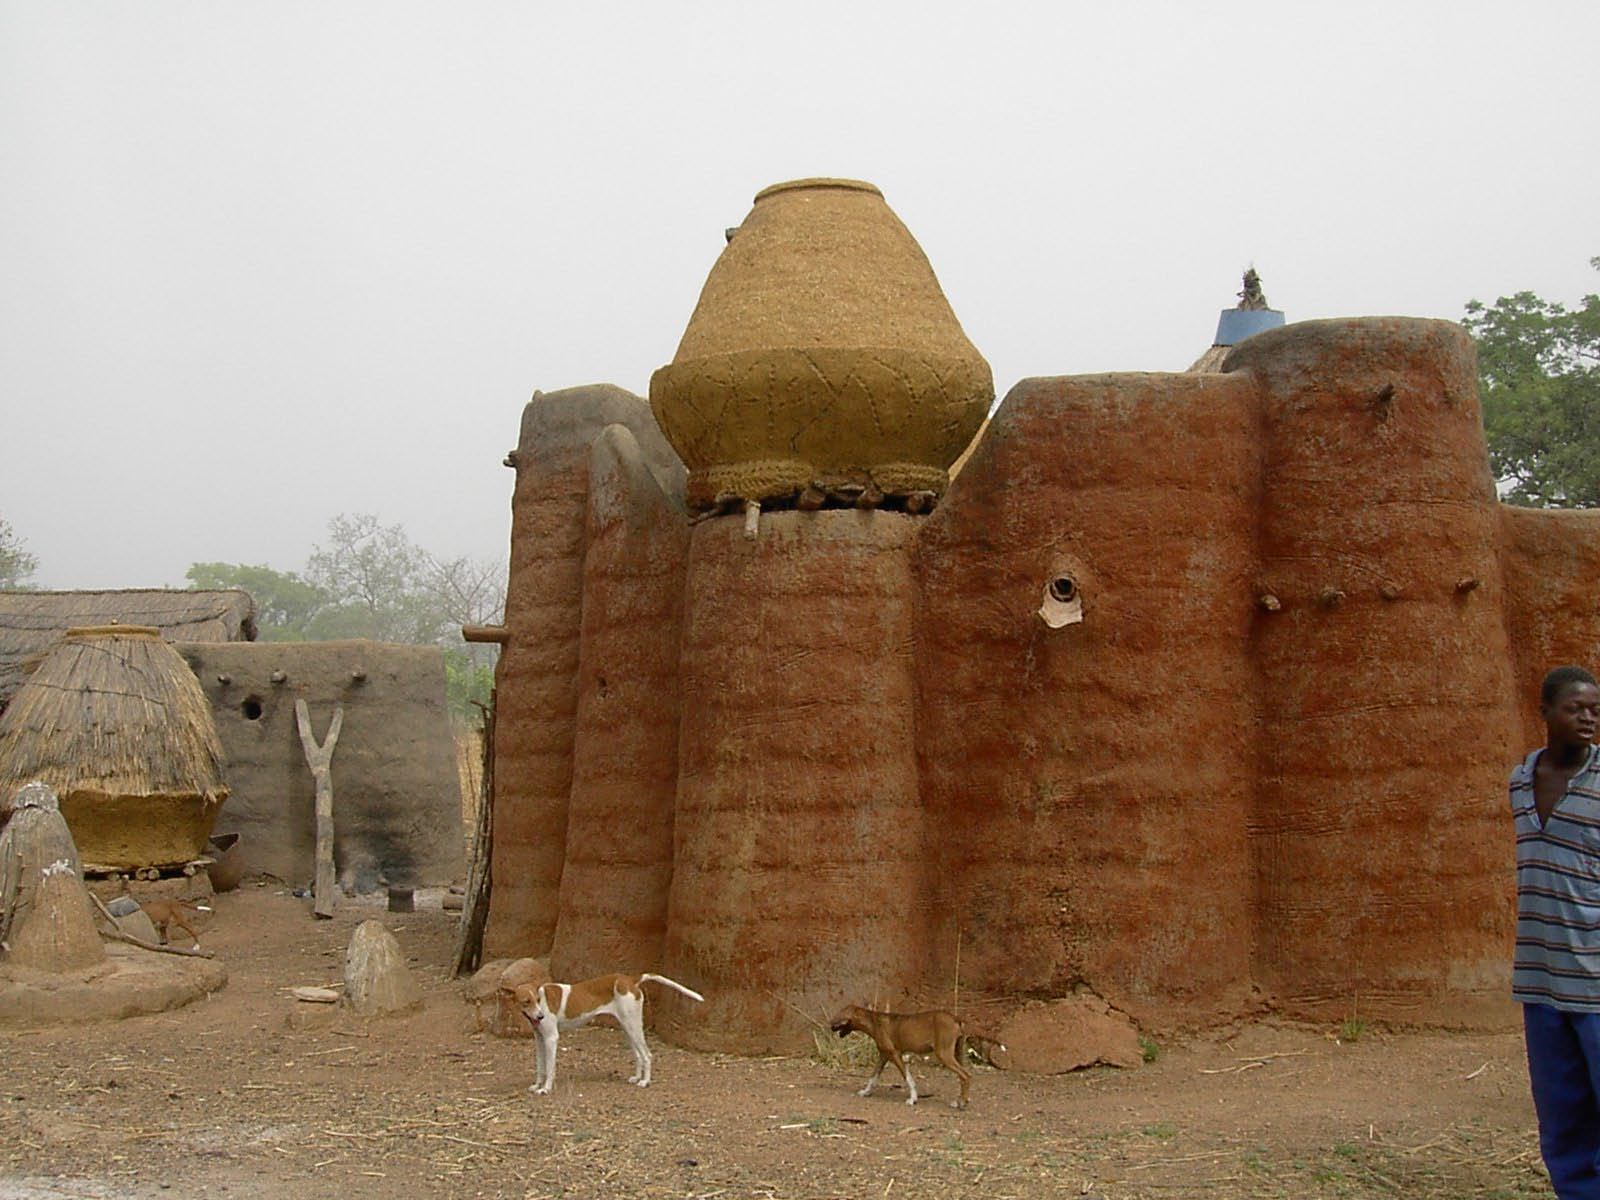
(671, 983)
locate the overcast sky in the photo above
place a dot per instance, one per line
(265, 263)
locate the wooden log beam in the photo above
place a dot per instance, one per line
(486, 633)
(320, 759)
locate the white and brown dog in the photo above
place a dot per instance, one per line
(552, 1007)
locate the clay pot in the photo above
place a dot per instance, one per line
(822, 352)
(227, 867)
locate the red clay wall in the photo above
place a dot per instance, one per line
(1268, 766)
(1382, 849)
(1550, 559)
(1088, 788)
(536, 679)
(613, 910)
(798, 833)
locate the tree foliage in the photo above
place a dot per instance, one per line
(1539, 370)
(370, 580)
(286, 605)
(16, 564)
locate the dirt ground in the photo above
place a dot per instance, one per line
(250, 1093)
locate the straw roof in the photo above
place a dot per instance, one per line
(32, 622)
(112, 711)
(823, 262)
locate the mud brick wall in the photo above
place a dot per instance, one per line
(618, 865)
(536, 678)
(821, 764)
(1088, 788)
(1386, 692)
(799, 866)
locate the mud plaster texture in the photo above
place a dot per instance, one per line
(537, 675)
(1264, 773)
(397, 811)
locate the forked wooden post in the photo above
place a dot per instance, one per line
(320, 759)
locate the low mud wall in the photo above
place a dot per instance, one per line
(397, 805)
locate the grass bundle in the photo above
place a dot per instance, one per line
(116, 723)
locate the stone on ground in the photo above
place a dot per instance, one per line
(377, 981)
(492, 1007)
(1081, 1030)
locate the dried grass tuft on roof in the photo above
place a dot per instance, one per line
(112, 712)
(957, 466)
(1210, 363)
(32, 622)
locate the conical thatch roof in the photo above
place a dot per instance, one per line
(116, 723)
(32, 622)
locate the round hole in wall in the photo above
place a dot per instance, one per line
(1063, 589)
(251, 708)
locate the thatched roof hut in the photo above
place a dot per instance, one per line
(32, 622)
(117, 724)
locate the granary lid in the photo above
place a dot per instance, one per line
(849, 185)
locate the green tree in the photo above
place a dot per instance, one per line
(16, 564)
(1539, 370)
(370, 580)
(468, 680)
(286, 605)
(375, 578)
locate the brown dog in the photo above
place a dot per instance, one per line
(898, 1034)
(164, 914)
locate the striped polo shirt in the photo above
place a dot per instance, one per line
(1558, 891)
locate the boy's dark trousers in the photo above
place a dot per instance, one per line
(1564, 1069)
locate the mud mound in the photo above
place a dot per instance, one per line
(129, 983)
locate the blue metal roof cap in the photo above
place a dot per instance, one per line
(1236, 324)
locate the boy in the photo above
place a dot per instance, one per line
(1555, 804)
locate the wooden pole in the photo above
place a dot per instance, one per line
(475, 906)
(320, 760)
(955, 999)
(122, 935)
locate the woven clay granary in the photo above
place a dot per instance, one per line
(822, 360)
(116, 723)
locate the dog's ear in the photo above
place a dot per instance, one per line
(523, 995)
